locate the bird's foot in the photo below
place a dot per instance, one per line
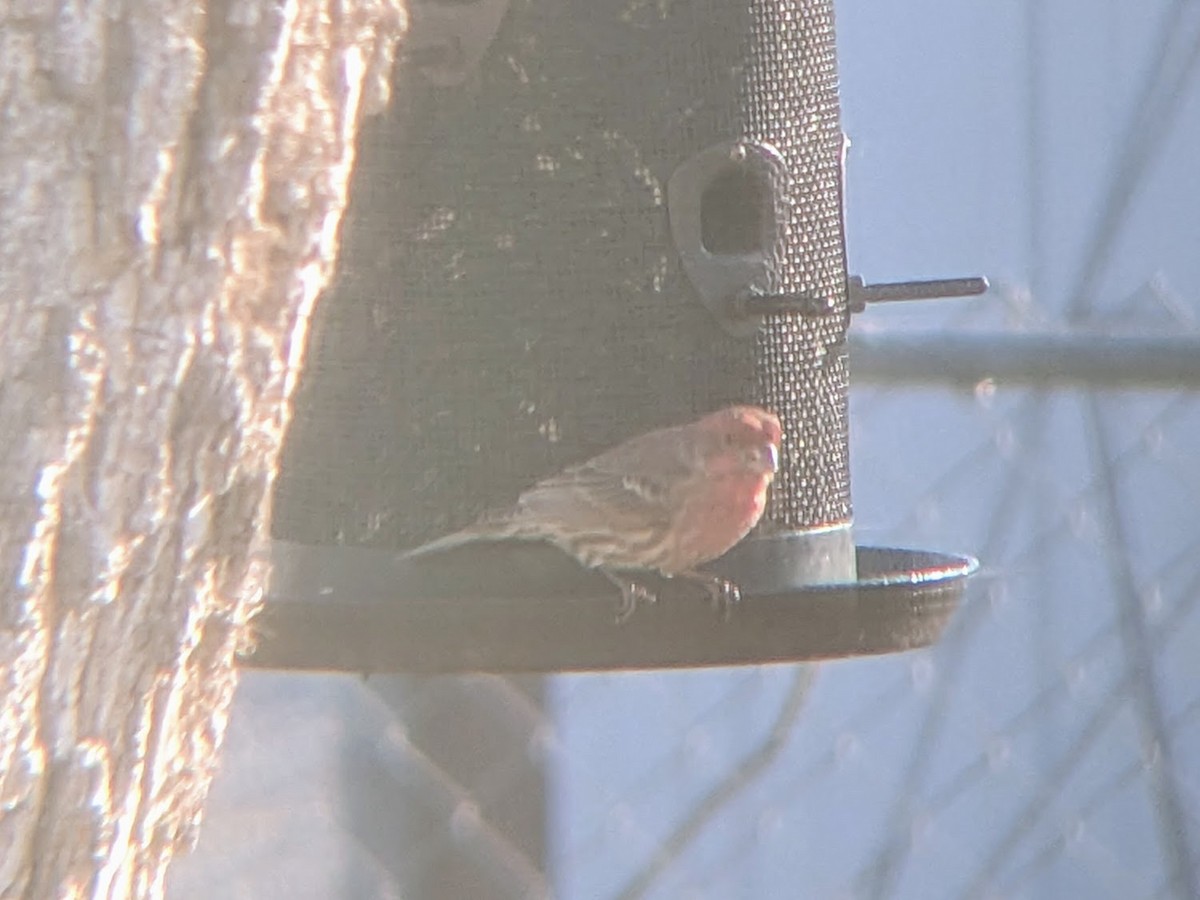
(632, 594)
(722, 593)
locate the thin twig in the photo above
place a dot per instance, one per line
(746, 773)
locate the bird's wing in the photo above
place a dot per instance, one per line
(630, 485)
(656, 456)
(592, 498)
(627, 489)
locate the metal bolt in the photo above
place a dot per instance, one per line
(860, 294)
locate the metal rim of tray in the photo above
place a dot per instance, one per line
(510, 607)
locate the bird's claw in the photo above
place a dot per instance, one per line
(722, 593)
(632, 594)
(725, 595)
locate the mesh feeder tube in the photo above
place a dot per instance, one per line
(762, 215)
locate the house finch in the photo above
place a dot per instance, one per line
(667, 501)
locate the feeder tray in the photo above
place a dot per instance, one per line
(526, 607)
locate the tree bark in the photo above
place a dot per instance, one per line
(172, 177)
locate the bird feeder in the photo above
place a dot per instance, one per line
(591, 227)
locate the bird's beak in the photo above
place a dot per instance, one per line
(762, 459)
(769, 458)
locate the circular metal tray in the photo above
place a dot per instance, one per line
(521, 607)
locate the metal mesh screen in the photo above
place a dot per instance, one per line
(508, 300)
(791, 103)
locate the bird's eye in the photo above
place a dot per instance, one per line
(729, 439)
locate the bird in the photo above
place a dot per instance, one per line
(666, 502)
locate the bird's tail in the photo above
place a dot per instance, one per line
(496, 529)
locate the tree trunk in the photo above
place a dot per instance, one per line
(172, 176)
